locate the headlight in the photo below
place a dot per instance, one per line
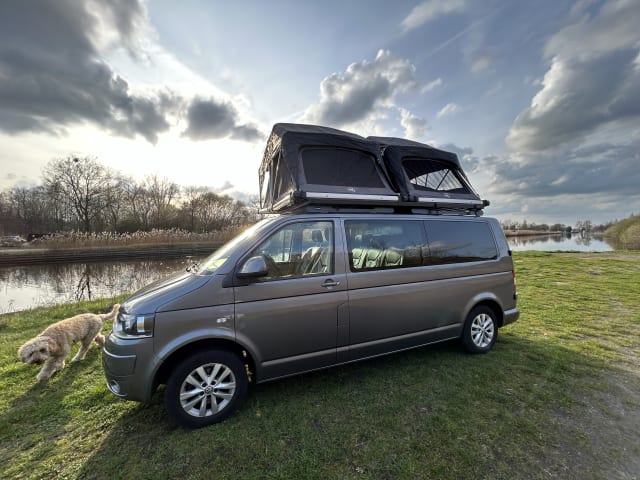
(133, 326)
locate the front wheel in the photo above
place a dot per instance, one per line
(480, 330)
(205, 388)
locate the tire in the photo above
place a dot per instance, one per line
(480, 330)
(205, 388)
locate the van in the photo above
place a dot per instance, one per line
(307, 290)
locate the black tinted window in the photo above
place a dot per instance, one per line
(382, 244)
(340, 167)
(453, 242)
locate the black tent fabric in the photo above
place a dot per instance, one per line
(310, 164)
(307, 163)
(422, 173)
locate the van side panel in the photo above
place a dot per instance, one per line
(383, 317)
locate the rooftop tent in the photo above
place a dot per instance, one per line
(305, 164)
(427, 175)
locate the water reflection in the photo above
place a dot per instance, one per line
(578, 243)
(41, 285)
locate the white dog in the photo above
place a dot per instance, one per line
(54, 343)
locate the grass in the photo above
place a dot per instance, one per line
(558, 397)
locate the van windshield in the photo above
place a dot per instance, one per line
(215, 261)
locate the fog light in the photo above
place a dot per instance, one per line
(114, 387)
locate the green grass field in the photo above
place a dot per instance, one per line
(558, 397)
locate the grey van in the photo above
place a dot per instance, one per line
(304, 291)
(374, 245)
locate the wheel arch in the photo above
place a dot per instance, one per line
(490, 302)
(205, 344)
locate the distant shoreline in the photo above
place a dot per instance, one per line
(38, 256)
(529, 233)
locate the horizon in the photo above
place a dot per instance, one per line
(540, 101)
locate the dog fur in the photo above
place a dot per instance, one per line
(54, 343)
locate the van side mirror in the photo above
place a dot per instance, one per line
(253, 268)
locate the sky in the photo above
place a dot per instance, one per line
(540, 100)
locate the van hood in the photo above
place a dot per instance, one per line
(151, 298)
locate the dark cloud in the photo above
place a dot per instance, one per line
(208, 119)
(52, 74)
(601, 168)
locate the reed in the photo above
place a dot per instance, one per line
(76, 239)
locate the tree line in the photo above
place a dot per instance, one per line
(81, 194)
(581, 226)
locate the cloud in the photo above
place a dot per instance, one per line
(365, 90)
(580, 138)
(601, 168)
(432, 85)
(448, 109)
(209, 119)
(414, 126)
(469, 161)
(429, 10)
(593, 80)
(482, 62)
(53, 74)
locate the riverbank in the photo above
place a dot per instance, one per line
(38, 256)
(625, 234)
(558, 397)
(530, 233)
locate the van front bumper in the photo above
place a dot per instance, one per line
(510, 316)
(124, 363)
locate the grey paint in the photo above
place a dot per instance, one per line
(301, 324)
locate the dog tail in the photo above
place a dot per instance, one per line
(112, 314)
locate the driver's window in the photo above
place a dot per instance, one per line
(298, 250)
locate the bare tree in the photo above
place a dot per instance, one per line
(161, 192)
(83, 182)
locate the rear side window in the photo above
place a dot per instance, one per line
(384, 244)
(455, 242)
(432, 175)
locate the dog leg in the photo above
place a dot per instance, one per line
(51, 366)
(99, 340)
(82, 352)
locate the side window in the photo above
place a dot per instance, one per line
(384, 244)
(298, 250)
(456, 242)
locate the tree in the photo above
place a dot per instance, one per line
(161, 192)
(84, 183)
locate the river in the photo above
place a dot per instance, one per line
(42, 285)
(549, 243)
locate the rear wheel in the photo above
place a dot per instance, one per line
(205, 388)
(480, 330)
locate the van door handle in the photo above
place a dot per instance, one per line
(330, 283)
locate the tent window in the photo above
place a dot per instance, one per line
(432, 175)
(340, 167)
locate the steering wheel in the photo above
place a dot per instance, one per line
(274, 270)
